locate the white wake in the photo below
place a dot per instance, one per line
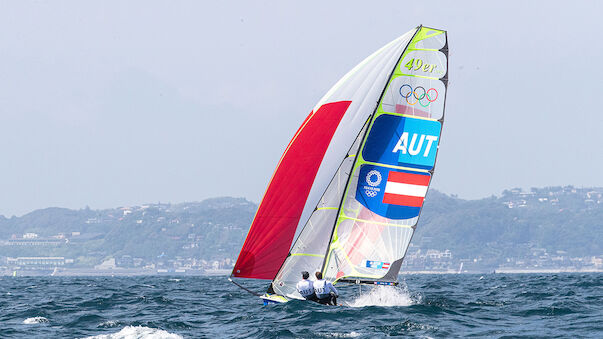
(384, 296)
(138, 332)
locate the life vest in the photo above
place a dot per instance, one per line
(305, 288)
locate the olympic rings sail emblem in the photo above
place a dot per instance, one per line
(418, 94)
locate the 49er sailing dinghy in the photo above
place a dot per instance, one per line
(347, 193)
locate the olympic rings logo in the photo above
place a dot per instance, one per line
(370, 194)
(418, 94)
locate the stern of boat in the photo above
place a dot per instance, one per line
(269, 298)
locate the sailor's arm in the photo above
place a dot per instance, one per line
(333, 289)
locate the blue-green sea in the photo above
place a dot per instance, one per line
(425, 306)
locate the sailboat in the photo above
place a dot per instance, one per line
(347, 193)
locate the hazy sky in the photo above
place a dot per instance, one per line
(109, 104)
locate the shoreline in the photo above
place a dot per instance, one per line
(547, 270)
(117, 272)
(225, 272)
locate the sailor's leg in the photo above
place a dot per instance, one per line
(324, 301)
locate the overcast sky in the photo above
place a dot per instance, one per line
(109, 104)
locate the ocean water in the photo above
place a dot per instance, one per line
(425, 306)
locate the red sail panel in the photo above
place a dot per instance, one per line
(271, 233)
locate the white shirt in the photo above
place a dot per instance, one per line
(323, 288)
(305, 288)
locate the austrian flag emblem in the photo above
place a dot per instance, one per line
(406, 189)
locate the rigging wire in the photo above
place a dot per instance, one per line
(243, 287)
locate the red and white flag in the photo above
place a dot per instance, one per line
(406, 189)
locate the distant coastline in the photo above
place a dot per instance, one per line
(544, 230)
(82, 272)
(118, 272)
(548, 270)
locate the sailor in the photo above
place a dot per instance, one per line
(325, 292)
(306, 288)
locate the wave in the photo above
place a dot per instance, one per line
(384, 296)
(35, 320)
(138, 332)
(423, 306)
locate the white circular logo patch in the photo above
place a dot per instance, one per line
(373, 178)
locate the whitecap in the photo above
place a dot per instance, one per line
(35, 320)
(109, 323)
(138, 332)
(384, 296)
(176, 280)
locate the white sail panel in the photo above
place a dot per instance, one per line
(309, 249)
(423, 63)
(308, 252)
(365, 244)
(415, 96)
(362, 86)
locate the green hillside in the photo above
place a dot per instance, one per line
(512, 225)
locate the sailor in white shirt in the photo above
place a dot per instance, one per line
(325, 292)
(306, 288)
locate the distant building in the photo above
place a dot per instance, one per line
(34, 242)
(106, 265)
(126, 261)
(37, 262)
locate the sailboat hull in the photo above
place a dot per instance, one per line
(273, 299)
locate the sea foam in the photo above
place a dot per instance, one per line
(384, 296)
(35, 320)
(138, 332)
(342, 335)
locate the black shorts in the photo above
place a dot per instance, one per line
(330, 300)
(312, 297)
